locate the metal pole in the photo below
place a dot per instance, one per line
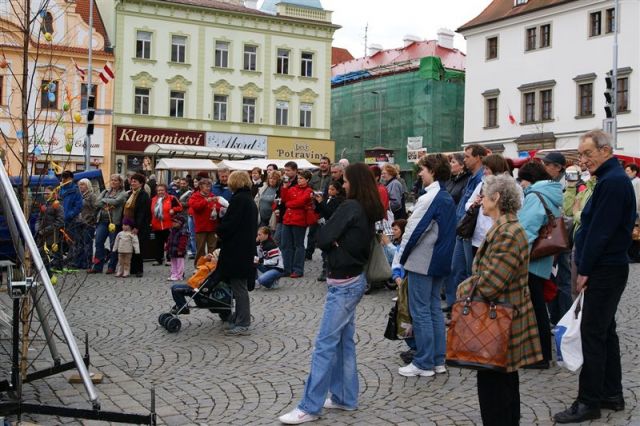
(616, 20)
(30, 244)
(87, 146)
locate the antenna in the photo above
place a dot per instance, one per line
(366, 35)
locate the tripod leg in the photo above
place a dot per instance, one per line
(53, 349)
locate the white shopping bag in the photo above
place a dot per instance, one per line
(567, 335)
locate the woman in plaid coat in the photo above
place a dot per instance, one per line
(501, 268)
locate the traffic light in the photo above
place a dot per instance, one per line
(91, 105)
(609, 95)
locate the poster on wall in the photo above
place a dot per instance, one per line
(136, 163)
(414, 155)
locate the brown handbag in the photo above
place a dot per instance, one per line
(553, 237)
(479, 333)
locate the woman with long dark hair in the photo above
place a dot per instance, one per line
(346, 238)
(138, 209)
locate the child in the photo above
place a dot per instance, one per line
(176, 247)
(270, 265)
(326, 207)
(205, 266)
(126, 244)
(50, 221)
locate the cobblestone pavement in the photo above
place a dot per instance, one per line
(203, 377)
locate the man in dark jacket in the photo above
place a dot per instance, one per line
(72, 204)
(601, 246)
(220, 188)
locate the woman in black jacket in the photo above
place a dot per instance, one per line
(325, 208)
(459, 177)
(237, 232)
(346, 238)
(138, 209)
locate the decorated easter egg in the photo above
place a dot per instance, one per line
(112, 227)
(66, 106)
(68, 147)
(48, 36)
(77, 117)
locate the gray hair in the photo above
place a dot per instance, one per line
(338, 166)
(510, 197)
(87, 182)
(599, 137)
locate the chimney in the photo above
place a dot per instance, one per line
(251, 4)
(374, 48)
(409, 39)
(445, 38)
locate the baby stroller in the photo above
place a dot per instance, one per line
(214, 295)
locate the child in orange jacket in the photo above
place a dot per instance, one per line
(205, 266)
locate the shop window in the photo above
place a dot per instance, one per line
(141, 103)
(283, 61)
(306, 64)
(248, 110)
(178, 49)
(143, 45)
(220, 107)
(250, 58)
(282, 113)
(176, 104)
(305, 115)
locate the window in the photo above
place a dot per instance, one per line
(529, 107)
(305, 115)
(622, 93)
(283, 61)
(595, 24)
(282, 113)
(492, 48)
(143, 45)
(222, 54)
(178, 49)
(306, 64)
(45, 91)
(248, 110)
(585, 107)
(546, 105)
(531, 38)
(491, 113)
(141, 101)
(545, 35)
(220, 107)
(83, 95)
(611, 20)
(250, 58)
(176, 104)
(47, 23)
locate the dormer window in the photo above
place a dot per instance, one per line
(519, 2)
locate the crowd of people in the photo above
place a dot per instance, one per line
(260, 221)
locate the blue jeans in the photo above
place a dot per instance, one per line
(268, 276)
(292, 248)
(427, 320)
(460, 268)
(333, 363)
(277, 235)
(192, 235)
(563, 301)
(179, 292)
(102, 233)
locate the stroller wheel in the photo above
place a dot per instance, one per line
(224, 316)
(163, 318)
(173, 325)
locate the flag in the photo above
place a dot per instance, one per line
(106, 75)
(79, 70)
(512, 119)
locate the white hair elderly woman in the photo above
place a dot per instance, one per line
(87, 226)
(110, 204)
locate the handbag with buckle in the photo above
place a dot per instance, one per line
(467, 224)
(553, 237)
(479, 333)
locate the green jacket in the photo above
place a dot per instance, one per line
(572, 199)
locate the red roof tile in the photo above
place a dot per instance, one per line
(451, 58)
(499, 10)
(339, 54)
(82, 8)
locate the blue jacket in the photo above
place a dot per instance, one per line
(468, 191)
(532, 217)
(221, 191)
(71, 200)
(429, 237)
(607, 220)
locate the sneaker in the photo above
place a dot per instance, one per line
(238, 331)
(227, 325)
(257, 285)
(275, 284)
(328, 403)
(413, 371)
(296, 417)
(440, 369)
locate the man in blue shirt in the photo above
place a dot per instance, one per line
(463, 252)
(601, 243)
(220, 188)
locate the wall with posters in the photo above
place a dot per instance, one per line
(280, 148)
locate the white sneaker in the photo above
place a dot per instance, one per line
(296, 417)
(440, 369)
(328, 403)
(257, 285)
(413, 371)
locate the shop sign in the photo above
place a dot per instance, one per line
(237, 141)
(53, 140)
(312, 150)
(138, 138)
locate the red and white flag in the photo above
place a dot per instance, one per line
(79, 70)
(512, 119)
(106, 75)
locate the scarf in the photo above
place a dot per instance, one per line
(130, 205)
(157, 209)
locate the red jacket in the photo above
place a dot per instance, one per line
(384, 196)
(202, 212)
(297, 201)
(169, 202)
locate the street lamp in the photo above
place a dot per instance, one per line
(375, 92)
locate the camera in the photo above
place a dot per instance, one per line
(572, 175)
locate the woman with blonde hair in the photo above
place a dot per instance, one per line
(83, 247)
(110, 204)
(265, 198)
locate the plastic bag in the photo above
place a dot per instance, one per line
(567, 336)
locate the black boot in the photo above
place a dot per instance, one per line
(577, 413)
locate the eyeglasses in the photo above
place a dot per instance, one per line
(588, 153)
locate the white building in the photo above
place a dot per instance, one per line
(542, 64)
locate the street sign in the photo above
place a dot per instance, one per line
(609, 125)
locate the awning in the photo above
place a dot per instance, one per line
(263, 163)
(190, 151)
(199, 164)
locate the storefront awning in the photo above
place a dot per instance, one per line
(191, 151)
(263, 163)
(199, 164)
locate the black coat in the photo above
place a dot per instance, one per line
(237, 232)
(327, 207)
(455, 186)
(142, 215)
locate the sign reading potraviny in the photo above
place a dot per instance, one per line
(53, 140)
(236, 141)
(313, 150)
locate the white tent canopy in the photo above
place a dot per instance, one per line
(190, 151)
(263, 163)
(185, 164)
